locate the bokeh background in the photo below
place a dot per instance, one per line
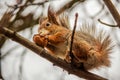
(19, 63)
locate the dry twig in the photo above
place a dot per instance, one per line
(113, 11)
(26, 5)
(107, 24)
(68, 5)
(73, 32)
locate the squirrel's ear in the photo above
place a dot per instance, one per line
(52, 16)
(42, 19)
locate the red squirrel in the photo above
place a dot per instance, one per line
(91, 48)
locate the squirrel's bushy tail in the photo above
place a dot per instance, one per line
(101, 43)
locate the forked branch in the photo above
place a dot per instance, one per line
(113, 11)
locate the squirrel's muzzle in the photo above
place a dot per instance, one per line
(43, 32)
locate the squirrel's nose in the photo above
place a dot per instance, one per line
(43, 32)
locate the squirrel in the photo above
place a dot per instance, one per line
(91, 48)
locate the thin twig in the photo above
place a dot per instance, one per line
(26, 5)
(113, 11)
(11, 25)
(67, 6)
(40, 51)
(107, 23)
(73, 32)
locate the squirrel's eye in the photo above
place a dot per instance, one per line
(48, 24)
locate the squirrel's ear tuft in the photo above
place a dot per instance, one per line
(52, 16)
(41, 19)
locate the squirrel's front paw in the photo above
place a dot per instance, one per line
(40, 40)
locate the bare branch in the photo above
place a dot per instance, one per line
(40, 51)
(26, 5)
(113, 11)
(6, 20)
(73, 32)
(68, 5)
(107, 24)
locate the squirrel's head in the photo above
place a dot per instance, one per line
(48, 25)
(52, 23)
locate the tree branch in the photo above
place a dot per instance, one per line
(107, 24)
(40, 51)
(26, 5)
(67, 6)
(113, 11)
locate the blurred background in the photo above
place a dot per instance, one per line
(19, 63)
